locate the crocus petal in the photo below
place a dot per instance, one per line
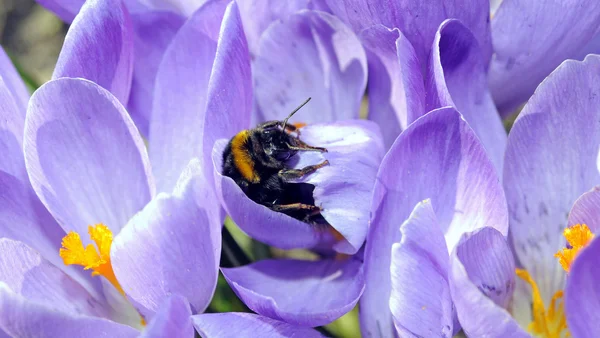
(458, 78)
(310, 54)
(172, 320)
(396, 90)
(154, 31)
(179, 111)
(12, 122)
(29, 275)
(64, 9)
(437, 157)
(257, 15)
(14, 83)
(543, 176)
(99, 47)
(24, 318)
(531, 39)
(298, 292)
(167, 245)
(418, 20)
(229, 97)
(420, 260)
(482, 281)
(194, 185)
(247, 325)
(487, 259)
(582, 294)
(84, 156)
(586, 210)
(344, 187)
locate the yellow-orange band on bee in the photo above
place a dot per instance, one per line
(578, 237)
(73, 252)
(241, 157)
(547, 322)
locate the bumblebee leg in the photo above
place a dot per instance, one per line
(301, 146)
(295, 206)
(286, 174)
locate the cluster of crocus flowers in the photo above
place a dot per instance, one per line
(75, 166)
(103, 236)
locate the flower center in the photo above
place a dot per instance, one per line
(547, 322)
(73, 252)
(578, 237)
(551, 322)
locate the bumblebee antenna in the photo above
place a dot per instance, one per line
(294, 112)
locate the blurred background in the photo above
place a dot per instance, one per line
(32, 37)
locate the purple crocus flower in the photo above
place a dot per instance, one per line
(403, 37)
(548, 192)
(87, 164)
(430, 288)
(86, 161)
(423, 57)
(309, 293)
(225, 98)
(196, 120)
(544, 176)
(437, 158)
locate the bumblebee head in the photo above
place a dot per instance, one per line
(276, 143)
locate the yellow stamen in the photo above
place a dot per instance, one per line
(72, 252)
(547, 322)
(578, 237)
(551, 322)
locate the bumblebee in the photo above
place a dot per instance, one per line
(256, 159)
